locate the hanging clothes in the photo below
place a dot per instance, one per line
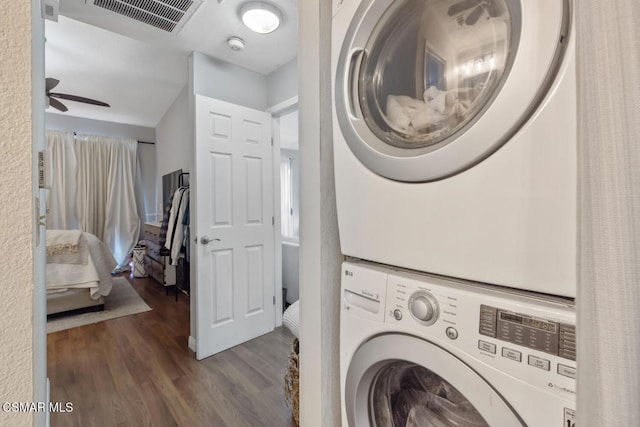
(179, 232)
(173, 216)
(187, 234)
(176, 226)
(163, 230)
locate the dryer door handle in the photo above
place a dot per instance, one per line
(357, 56)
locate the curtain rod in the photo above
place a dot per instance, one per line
(139, 142)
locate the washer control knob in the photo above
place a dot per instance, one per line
(423, 307)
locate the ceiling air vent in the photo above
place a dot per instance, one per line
(167, 15)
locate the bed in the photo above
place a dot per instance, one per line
(78, 272)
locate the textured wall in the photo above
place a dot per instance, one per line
(16, 211)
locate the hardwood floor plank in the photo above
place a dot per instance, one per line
(138, 370)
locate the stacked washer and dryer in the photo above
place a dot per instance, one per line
(455, 169)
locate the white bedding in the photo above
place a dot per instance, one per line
(291, 319)
(94, 275)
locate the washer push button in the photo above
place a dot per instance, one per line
(452, 333)
(567, 371)
(511, 354)
(539, 362)
(487, 346)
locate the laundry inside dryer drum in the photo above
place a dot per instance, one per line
(433, 67)
(404, 394)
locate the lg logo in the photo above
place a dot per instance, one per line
(348, 273)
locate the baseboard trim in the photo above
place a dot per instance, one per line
(192, 343)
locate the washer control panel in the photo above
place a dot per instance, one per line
(550, 337)
(519, 334)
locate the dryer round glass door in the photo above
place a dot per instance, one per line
(426, 89)
(398, 380)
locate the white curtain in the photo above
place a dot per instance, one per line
(286, 200)
(140, 186)
(106, 197)
(289, 194)
(96, 187)
(608, 300)
(61, 200)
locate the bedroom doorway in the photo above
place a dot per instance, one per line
(179, 136)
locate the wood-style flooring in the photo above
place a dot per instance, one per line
(138, 371)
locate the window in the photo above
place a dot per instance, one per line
(289, 189)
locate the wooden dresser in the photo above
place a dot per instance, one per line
(157, 266)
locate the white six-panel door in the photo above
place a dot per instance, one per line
(234, 210)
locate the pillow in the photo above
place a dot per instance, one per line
(291, 319)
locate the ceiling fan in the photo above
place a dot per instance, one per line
(492, 7)
(51, 83)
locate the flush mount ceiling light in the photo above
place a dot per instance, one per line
(261, 17)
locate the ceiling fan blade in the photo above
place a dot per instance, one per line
(79, 99)
(51, 83)
(57, 104)
(474, 16)
(461, 6)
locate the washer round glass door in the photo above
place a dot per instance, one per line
(425, 89)
(399, 380)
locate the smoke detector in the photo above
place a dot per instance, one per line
(236, 44)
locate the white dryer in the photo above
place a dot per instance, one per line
(455, 138)
(418, 350)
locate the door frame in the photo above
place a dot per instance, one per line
(277, 111)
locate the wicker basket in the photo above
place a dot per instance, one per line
(292, 381)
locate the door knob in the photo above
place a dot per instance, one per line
(205, 240)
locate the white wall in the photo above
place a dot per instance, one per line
(227, 82)
(146, 152)
(320, 256)
(174, 141)
(148, 167)
(98, 127)
(608, 328)
(291, 270)
(289, 131)
(282, 84)
(213, 78)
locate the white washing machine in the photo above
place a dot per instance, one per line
(455, 138)
(419, 350)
